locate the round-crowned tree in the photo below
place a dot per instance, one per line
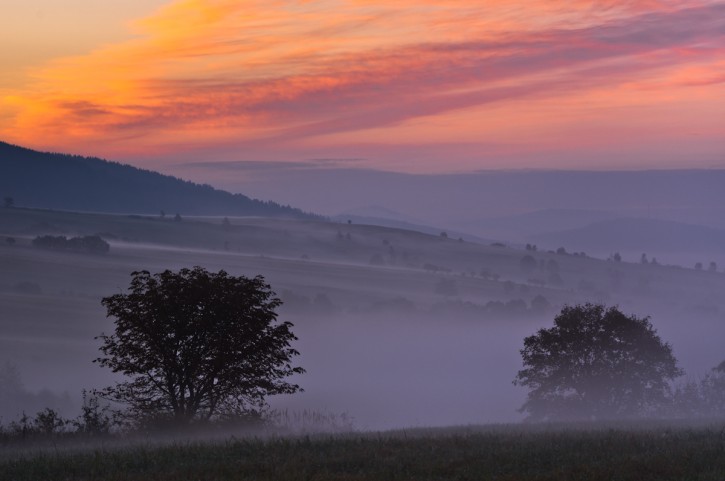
(196, 345)
(595, 363)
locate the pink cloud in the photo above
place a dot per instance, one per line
(195, 77)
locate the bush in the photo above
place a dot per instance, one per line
(49, 422)
(95, 419)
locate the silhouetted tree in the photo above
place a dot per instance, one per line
(196, 345)
(444, 234)
(162, 214)
(595, 363)
(177, 217)
(226, 225)
(712, 267)
(698, 266)
(643, 259)
(617, 257)
(8, 202)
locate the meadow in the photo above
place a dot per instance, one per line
(396, 328)
(540, 452)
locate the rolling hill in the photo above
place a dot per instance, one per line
(71, 182)
(638, 235)
(434, 323)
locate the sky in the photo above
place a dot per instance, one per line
(425, 86)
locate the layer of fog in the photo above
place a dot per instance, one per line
(693, 196)
(385, 369)
(550, 208)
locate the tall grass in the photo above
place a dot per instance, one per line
(497, 453)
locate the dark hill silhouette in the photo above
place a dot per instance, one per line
(72, 182)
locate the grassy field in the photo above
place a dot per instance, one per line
(504, 453)
(396, 328)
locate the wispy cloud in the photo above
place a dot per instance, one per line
(260, 165)
(259, 75)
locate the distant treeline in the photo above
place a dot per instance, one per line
(92, 244)
(72, 182)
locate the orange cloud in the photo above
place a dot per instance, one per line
(257, 74)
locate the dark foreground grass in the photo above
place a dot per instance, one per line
(465, 454)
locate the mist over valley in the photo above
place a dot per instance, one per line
(397, 327)
(362, 240)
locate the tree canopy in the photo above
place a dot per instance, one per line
(595, 363)
(197, 345)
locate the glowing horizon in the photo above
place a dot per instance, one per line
(425, 86)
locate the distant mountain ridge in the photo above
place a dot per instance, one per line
(521, 227)
(72, 182)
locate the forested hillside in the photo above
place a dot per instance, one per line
(70, 182)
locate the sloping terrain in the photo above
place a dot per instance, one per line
(71, 182)
(666, 239)
(396, 327)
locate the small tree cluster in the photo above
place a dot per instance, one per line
(91, 244)
(493, 310)
(705, 398)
